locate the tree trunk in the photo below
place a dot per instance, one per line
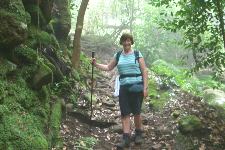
(79, 26)
(132, 17)
(221, 20)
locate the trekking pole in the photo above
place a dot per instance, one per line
(92, 78)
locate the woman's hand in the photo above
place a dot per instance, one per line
(145, 92)
(93, 61)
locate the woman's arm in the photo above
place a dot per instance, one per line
(144, 75)
(104, 67)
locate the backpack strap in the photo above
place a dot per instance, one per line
(136, 53)
(118, 56)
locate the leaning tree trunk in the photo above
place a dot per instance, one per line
(79, 26)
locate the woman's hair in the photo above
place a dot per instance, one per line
(126, 36)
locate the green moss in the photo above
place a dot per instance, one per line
(163, 68)
(158, 103)
(13, 31)
(189, 124)
(14, 7)
(152, 88)
(23, 116)
(55, 123)
(36, 14)
(37, 37)
(62, 21)
(176, 114)
(6, 66)
(19, 131)
(183, 142)
(25, 54)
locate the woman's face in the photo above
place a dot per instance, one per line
(127, 44)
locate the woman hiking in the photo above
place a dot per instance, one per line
(133, 87)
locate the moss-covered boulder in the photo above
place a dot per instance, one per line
(176, 114)
(190, 125)
(13, 28)
(55, 124)
(23, 55)
(214, 96)
(38, 37)
(62, 17)
(43, 76)
(37, 16)
(6, 66)
(43, 7)
(20, 127)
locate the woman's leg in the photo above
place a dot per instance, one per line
(126, 124)
(138, 121)
(125, 118)
(136, 110)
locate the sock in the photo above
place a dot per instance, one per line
(126, 135)
(138, 131)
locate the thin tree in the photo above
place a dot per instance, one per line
(77, 36)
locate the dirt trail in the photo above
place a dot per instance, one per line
(160, 129)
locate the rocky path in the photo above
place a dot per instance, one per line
(160, 127)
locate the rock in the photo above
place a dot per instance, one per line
(144, 119)
(176, 114)
(156, 147)
(87, 97)
(69, 107)
(108, 103)
(63, 102)
(62, 20)
(117, 129)
(23, 55)
(13, 26)
(42, 77)
(37, 16)
(6, 66)
(190, 125)
(214, 96)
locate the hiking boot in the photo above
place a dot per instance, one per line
(124, 143)
(138, 137)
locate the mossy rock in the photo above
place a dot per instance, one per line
(152, 88)
(55, 124)
(24, 115)
(23, 129)
(62, 17)
(6, 66)
(183, 142)
(49, 28)
(176, 114)
(42, 77)
(24, 55)
(158, 103)
(190, 125)
(13, 31)
(76, 75)
(37, 17)
(45, 7)
(37, 37)
(15, 8)
(163, 68)
(87, 96)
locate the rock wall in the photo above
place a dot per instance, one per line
(32, 34)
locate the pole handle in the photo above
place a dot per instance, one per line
(93, 54)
